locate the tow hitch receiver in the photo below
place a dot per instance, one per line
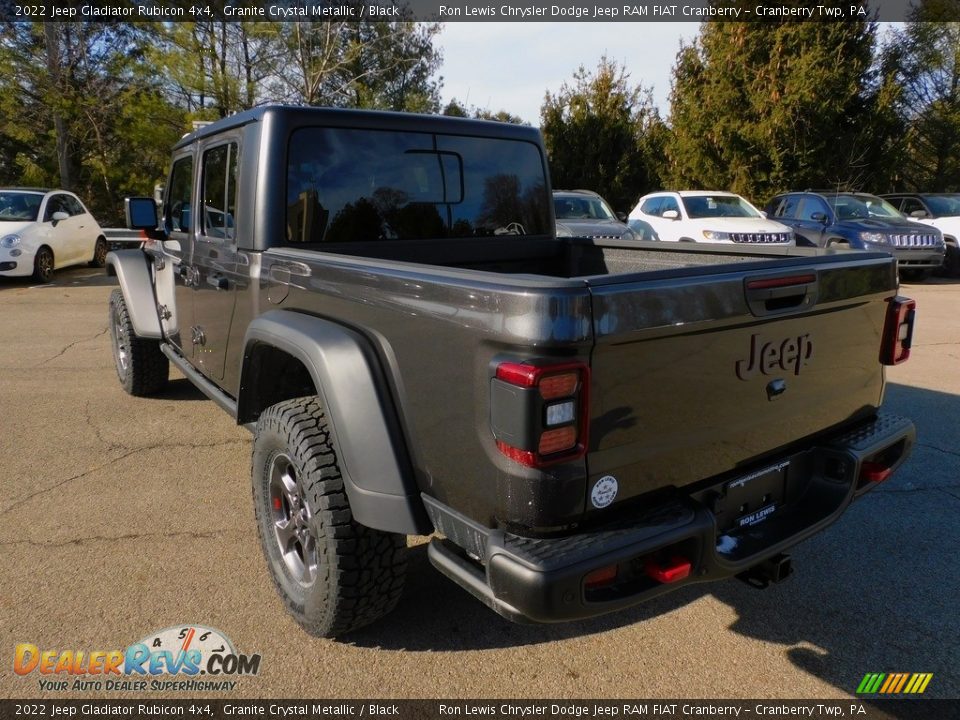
(772, 570)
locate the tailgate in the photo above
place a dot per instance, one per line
(693, 376)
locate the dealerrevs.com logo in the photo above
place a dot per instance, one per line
(184, 657)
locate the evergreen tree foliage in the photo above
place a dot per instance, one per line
(604, 135)
(759, 108)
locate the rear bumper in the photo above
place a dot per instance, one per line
(544, 580)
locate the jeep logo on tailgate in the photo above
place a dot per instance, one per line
(788, 355)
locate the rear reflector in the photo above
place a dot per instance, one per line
(874, 472)
(677, 568)
(601, 577)
(898, 330)
(524, 457)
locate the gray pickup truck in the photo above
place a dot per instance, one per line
(583, 424)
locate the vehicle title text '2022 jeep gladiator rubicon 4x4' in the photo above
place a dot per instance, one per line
(583, 423)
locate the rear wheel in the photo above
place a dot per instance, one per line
(43, 265)
(333, 574)
(99, 253)
(142, 368)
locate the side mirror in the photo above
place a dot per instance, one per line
(141, 213)
(622, 217)
(59, 216)
(671, 214)
(819, 217)
(763, 214)
(918, 214)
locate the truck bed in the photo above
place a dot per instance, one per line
(662, 328)
(563, 257)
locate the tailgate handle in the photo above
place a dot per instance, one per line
(781, 294)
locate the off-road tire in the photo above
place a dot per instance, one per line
(43, 265)
(100, 251)
(141, 367)
(359, 572)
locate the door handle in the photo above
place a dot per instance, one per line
(779, 294)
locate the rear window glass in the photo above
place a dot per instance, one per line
(359, 185)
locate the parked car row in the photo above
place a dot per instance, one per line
(920, 230)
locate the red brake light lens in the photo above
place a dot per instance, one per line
(898, 331)
(548, 424)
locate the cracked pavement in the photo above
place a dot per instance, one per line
(120, 516)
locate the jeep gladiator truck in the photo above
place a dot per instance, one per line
(583, 424)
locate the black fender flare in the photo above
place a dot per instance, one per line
(366, 434)
(132, 269)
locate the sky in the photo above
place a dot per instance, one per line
(510, 66)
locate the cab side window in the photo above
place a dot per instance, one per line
(651, 206)
(220, 192)
(176, 209)
(56, 203)
(73, 205)
(811, 206)
(909, 205)
(669, 203)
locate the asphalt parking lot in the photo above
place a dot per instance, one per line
(121, 516)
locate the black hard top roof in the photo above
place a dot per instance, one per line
(296, 116)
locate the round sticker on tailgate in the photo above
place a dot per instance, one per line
(604, 491)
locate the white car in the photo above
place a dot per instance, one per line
(44, 230)
(939, 210)
(705, 216)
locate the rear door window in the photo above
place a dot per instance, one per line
(787, 207)
(220, 191)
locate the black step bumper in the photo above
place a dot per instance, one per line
(546, 579)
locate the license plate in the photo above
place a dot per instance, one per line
(757, 516)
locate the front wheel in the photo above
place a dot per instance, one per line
(43, 265)
(333, 574)
(141, 366)
(99, 253)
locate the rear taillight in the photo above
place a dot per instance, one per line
(898, 330)
(539, 413)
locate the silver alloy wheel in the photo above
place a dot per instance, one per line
(291, 521)
(121, 344)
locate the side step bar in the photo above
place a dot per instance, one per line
(205, 386)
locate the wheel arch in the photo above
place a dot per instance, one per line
(302, 354)
(132, 270)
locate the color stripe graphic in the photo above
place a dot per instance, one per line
(894, 683)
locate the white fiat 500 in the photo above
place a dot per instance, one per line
(705, 216)
(44, 230)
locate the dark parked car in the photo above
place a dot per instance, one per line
(940, 210)
(861, 222)
(582, 213)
